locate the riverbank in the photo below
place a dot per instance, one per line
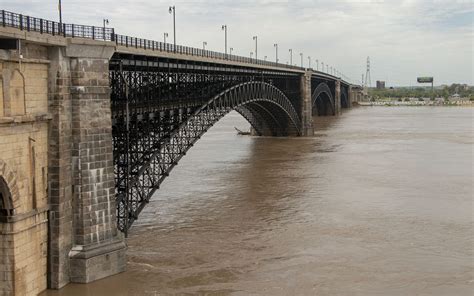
(418, 103)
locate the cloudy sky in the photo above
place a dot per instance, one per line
(404, 38)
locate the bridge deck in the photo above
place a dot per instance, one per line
(47, 32)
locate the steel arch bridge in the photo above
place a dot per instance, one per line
(162, 106)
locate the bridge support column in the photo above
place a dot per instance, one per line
(306, 105)
(337, 98)
(350, 97)
(85, 244)
(98, 250)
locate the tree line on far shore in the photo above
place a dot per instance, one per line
(464, 91)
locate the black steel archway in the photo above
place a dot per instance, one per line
(265, 107)
(323, 101)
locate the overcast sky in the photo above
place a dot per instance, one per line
(404, 39)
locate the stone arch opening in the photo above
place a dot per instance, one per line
(6, 201)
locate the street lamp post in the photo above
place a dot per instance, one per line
(231, 49)
(105, 22)
(172, 10)
(164, 37)
(204, 45)
(224, 28)
(291, 56)
(309, 62)
(317, 65)
(322, 66)
(256, 46)
(60, 8)
(301, 55)
(276, 52)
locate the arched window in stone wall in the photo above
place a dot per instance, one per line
(6, 204)
(17, 93)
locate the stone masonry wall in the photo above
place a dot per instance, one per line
(98, 249)
(60, 168)
(23, 165)
(307, 105)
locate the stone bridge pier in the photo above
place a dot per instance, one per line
(85, 244)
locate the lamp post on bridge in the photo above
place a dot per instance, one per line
(256, 46)
(327, 68)
(309, 62)
(224, 28)
(204, 45)
(322, 66)
(291, 56)
(231, 49)
(276, 52)
(317, 65)
(60, 9)
(172, 10)
(164, 37)
(301, 55)
(105, 22)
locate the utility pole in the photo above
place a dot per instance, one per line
(172, 10)
(276, 52)
(106, 22)
(368, 82)
(224, 27)
(60, 8)
(256, 46)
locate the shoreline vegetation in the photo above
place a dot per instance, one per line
(395, 103)
(444, 95)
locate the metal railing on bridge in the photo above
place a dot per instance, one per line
(42, 26)
(34, 24)
(146, 44)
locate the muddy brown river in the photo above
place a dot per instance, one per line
(379, 202)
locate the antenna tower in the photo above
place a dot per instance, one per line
(368, 82)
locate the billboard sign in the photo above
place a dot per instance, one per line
(425, 79)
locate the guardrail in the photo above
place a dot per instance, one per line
(146, 44)
(42, 26)
(28, 23)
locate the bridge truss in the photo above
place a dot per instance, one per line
(161, 107)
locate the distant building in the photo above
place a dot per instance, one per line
(380, 84)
